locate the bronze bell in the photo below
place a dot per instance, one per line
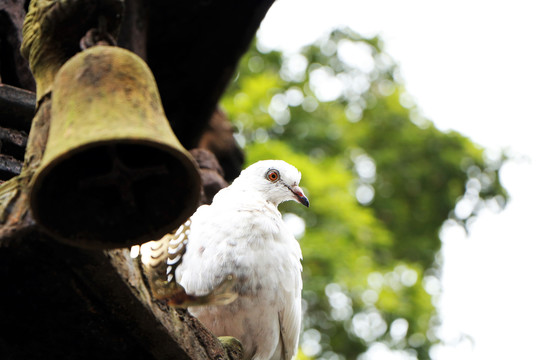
(113, 173)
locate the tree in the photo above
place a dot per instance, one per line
(381, 178)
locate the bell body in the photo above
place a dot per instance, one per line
(113, 173)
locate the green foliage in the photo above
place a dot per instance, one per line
(381, 180)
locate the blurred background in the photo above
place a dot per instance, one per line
(415, 127)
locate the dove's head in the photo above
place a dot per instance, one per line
(276, 180)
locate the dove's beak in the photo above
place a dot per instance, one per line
(299, 194)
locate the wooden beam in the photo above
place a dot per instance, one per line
(64, 302)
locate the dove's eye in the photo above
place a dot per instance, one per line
(272, 175)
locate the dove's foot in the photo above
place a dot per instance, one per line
(233, 346)
(223, 294)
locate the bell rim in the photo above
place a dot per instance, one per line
(187, 161)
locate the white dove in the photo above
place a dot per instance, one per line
(242, 234)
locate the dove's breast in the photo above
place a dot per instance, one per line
(254, 245)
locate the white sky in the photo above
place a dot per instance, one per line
(472, 66)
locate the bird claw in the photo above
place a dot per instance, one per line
(222, 294)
